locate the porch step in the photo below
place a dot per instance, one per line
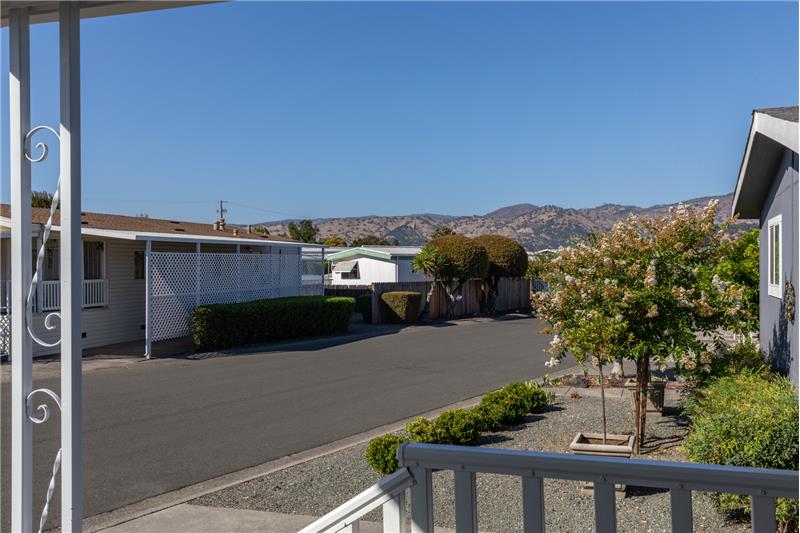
(186, 518)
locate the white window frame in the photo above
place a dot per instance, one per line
(774, 289)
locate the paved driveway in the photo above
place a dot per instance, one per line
(157, 426)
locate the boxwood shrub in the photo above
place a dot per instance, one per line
(401, 306)
(381, 453)
(364, 306)
(225, 325)
(459, 426)
(510, 404)
(746, 420)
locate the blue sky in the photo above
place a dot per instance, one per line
(348, 109)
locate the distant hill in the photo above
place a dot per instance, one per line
(535, 227)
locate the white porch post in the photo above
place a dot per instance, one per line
(197, 274)
(148, 299)
(238, 272)
(71, 277)
(21, 343)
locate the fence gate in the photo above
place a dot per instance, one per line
(180, 281)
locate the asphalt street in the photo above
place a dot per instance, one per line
(161, 425)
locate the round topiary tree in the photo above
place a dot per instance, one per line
(507, 259)
(451, 261)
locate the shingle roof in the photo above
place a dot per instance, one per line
(146, 225)
(784, 113)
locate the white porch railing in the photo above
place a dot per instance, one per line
(94, 293)
(419, 461)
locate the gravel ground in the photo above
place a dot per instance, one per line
(316, 487)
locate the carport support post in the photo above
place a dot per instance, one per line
(71, 275)
(21, 343)
(148, 299)
(197, 274)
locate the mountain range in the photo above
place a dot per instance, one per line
(535, 227)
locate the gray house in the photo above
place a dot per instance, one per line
(767, 190)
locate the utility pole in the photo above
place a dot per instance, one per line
(221, 210)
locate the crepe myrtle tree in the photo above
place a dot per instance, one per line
(451, 261)
(507, 259)
(654, 277)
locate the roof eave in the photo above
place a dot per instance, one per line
(775, 130)
(43, 11)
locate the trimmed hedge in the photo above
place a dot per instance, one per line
(364, 306)
(381, 453)
(746, 420)
(463, 258)
(459, 426)
(510, 404)
(462, 426)
(507, 258)
(225, 325)
(401, 306)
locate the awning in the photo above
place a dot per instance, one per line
(345, 266)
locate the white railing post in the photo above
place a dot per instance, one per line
(394, 514)
(762, 514)
(422, 501)
(605, 507)
(532, 504)
(681, 509)
(466, 502)
(148, 299)
(21, 342)
(71, 274)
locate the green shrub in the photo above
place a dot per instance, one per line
(733, 360)
(746, 420)
(462, 258)
(507, 258)
(381, 453)
(224, 325)
(510, 404)
(421, 430)
(364, 306)
(458, 426)
(401, 306)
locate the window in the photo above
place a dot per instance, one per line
(138, 264)
(774, 250)
(93, 260)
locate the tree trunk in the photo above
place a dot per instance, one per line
(603, 401)
(642, 380)
(426, 311)
(453, 297)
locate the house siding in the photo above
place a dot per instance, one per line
(123, 318)
(779, 337)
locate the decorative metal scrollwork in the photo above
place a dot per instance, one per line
(44, 417)
(45, 410)
(48, 320)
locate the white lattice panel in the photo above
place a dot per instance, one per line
(181, 281)
(5, 334)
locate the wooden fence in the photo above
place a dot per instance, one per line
(513, 294)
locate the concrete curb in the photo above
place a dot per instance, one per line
(152, 505)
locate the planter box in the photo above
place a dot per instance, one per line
(655, 395)
(592, 444)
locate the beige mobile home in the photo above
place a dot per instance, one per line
(142, 277)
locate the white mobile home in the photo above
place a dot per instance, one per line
(142, 277)
(366, 265)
